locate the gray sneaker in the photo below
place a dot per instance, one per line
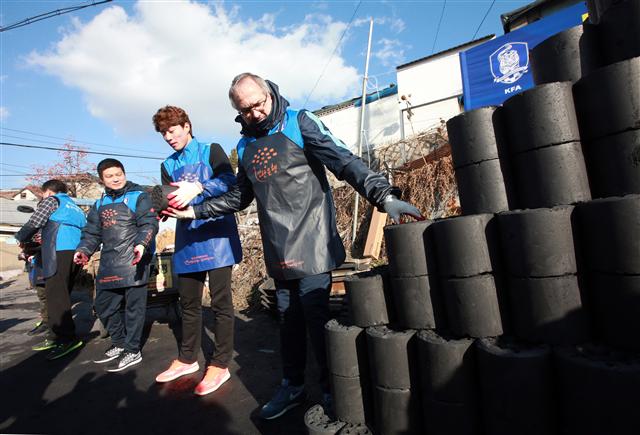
(286, 397)
(109, 355)
(127, 359)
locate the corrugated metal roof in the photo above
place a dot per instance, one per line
(456, 48)
(357, 101)
(374, 96)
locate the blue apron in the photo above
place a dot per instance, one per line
(61, 232)
(201, 244)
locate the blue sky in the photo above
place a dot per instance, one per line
(96, 76)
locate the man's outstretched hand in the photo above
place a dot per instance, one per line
(80, 258)
(186, 213)
(394, 208)
(138, 252)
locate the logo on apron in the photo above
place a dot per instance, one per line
(108, 217)
(263, 167)
(189, 176)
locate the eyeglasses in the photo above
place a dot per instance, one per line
(257, 106)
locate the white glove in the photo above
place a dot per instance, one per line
(185, 193)
(186, 213)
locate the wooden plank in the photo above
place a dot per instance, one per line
(375, 234)
(337, 288)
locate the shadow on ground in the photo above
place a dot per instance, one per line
(73, 395)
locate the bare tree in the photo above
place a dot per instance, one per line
(72, 167)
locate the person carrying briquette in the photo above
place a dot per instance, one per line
(60, 222)
(203, 247)
(282, 158)
(123, 222)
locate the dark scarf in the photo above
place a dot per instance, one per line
(278, 107)
(116, 193)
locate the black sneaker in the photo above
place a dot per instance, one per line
(62, 349)
(39, 328)
(127, 359)
(109, 355)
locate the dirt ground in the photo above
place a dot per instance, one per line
(75, 396)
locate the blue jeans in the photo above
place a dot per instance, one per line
(127, 332)
(303, 305)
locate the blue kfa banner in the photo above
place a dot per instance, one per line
(498, 69)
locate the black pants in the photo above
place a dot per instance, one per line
(190, 286)
(42, 297)
(58, 289)
(125, 330)
(303, 305)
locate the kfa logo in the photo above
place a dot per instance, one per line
(509, 62)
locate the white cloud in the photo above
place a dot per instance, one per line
(185, 54)
(320, 5)
(4, 113)
(395, 24)
(390, 53)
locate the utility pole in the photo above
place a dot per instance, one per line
(361, 138)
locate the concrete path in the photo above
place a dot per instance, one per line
(75, 396)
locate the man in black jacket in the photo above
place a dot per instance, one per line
(282, 158)
(123, 222)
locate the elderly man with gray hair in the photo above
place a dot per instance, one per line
(282, 155)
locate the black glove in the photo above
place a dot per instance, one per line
(394, 208)
(159, 200)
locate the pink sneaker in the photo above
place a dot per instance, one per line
(212, 380)
(176, 370)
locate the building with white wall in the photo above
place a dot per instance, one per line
(381, 125)
(430, 89)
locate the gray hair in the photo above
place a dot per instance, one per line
(240, 77)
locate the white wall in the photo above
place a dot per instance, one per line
(431, 80)
(422, 118)
(431, 88)
(382, 123)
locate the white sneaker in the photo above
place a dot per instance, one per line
(127, 359)
(109, 355)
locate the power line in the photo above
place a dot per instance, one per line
(482, 22)
(79, 151)
(46, 15)
(81, 142)
(334, 52)
(438, 29)
(70, 175)
(15, 166)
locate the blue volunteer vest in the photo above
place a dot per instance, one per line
(61, 232)
(201, 244)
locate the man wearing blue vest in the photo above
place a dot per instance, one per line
(124, 223)
(61, 221)
(282, 158)
(203, 247)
